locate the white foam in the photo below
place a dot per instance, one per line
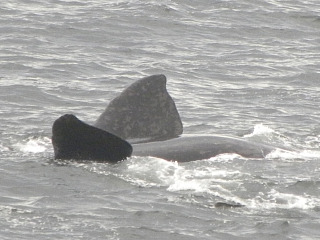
(207, 178)
(313, 141)
(34, 145)
(3, 148)
(293, 155)
(174, 176)
(180, 177)
(260, 129)
(294, 201)
(276, 200)
(138, 171)
(225, 157)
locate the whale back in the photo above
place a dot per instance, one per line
(144, 111)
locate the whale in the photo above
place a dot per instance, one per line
(142, 121)
(74, 139)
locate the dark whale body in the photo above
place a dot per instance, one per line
(146, 116)
(74, 139)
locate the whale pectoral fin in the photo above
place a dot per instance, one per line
(144, 110)
(74, 139)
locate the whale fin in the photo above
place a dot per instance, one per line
(144, 110)
(74, 139)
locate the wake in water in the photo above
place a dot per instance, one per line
(227, 180)
(224, 179)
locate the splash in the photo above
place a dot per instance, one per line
(150, 171)
(285, 155)
(260, 129)
(267, 135)
(277, 200)
(199, 178)
(34, 145)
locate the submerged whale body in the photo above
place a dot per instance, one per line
(145, 115)
(190, 148)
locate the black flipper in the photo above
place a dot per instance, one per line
(74, 139)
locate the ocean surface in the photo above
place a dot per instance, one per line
(248, 69)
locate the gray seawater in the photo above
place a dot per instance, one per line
(239, 68)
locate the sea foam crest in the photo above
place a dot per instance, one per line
(267, 135)
(259, 129)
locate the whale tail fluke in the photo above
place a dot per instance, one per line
(74, 139)
(144, 111)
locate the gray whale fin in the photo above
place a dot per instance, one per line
(144, 110)
(74, 139)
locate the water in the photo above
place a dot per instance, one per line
(239, 68)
